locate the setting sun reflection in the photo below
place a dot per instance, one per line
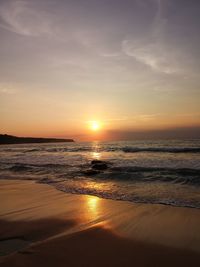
(92, 206)
(96, 155)
(92, 203)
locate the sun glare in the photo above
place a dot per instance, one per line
(95, 125)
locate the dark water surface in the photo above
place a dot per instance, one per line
(166, 172)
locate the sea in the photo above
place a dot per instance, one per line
(157, 172)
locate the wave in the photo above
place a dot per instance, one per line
(74, 180)
(133, 174)
(128, 149)
(20, 168)
(182, 176)
(128, 197)
(23, 167)
(125, 149)
(185, 171)
(67, 149)
(162, 149)
(109, 163)
(105, 148)
(32, 150)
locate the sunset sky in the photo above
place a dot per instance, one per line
(131, 65)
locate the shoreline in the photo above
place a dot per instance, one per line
(10, 178)
(50, 222)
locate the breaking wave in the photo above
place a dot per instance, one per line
(162, 149)
(124, 173)
(128, 197)
(125, 149)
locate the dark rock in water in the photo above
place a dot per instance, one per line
(46, 180)
(100, 166)
(96, 161)
(91, 172)
(20, 168)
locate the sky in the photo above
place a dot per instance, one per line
(131, 65)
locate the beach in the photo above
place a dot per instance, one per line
(100, 133)
(42, 226)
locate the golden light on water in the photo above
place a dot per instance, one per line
(96, 155)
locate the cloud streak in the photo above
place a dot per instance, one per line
(151, 50)
(23, 18)
(152, 55)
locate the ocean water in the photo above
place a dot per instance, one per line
(166, 172)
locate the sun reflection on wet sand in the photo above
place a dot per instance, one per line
(92, 203)
(93, 207)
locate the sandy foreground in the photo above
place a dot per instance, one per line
(41, 226)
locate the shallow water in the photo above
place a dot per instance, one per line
(166, 172)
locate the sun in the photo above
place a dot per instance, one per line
(95, 125)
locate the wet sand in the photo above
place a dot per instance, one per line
(40, 226)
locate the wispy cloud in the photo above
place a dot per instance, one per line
(147, 117)
(152, 55)
(151, 50)
(22, 17)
